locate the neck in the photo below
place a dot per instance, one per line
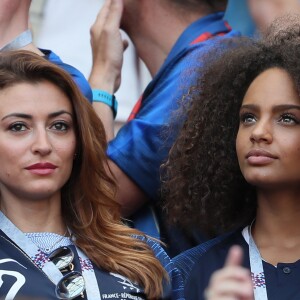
(155, 39)
(34, 215)
(277, 226)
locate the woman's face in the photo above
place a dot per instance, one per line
(37, 140)
(268, 140)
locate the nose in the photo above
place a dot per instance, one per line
(41, 143)
(262, 132)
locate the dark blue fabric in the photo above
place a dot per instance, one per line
(173, 290)
(198, 264)
(21, 276)
(185, 262)
(77, 76)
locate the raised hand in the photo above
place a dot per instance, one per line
(232, 282)
(107, 47)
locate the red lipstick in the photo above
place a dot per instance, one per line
(41, 168)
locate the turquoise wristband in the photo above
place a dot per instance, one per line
(106, 98)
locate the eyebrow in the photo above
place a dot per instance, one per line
(249, 106)
(26, 116)
(275, 108)
(286, 107)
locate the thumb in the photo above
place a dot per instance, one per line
(235, 256)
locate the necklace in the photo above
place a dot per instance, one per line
(46, 241)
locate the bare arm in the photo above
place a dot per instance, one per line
(107, 49)
(129, 194)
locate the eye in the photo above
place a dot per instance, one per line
(60, 126)
(247, 118)
(17, 127)
(288, 119)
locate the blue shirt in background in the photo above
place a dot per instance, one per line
(77, 76)
(142, 145)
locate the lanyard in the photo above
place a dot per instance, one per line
(20, 41)
(40, 259)
(256, 267)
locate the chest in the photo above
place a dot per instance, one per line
(282, 281)
(20, 277)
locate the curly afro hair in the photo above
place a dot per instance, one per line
(203, 186)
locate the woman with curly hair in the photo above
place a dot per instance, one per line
(61, 232)
(235, 171)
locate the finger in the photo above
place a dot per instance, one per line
(103, 14)
(230, 289)
(234, 288)
(236, 273)
(115, 13)
(235, 256)
(210, 294)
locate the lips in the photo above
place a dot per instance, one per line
(260, 157)
(41, 169)
(41, 166)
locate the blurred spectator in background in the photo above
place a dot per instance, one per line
(264, 12)
(15, 34)
(170, 37)
(238, 16)
(251, 16)
(70, 37)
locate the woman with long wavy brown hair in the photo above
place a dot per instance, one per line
(61, 231)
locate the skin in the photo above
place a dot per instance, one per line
(269, 121)
(14, 16)
(148, 25)
(270, 116)
(36, 126)
(231, 282)
(264, 12)
(274, 128)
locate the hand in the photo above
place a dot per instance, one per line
(232, 282)
(107, 47)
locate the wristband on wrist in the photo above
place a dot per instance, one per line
(106, 98)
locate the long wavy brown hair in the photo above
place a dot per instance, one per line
(88, 198)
